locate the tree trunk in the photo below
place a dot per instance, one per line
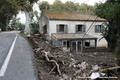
(28, 22)
(7, 23)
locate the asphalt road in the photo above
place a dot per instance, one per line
(21, 63)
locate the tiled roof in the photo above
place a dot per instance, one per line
(72, 36)
(71, 16)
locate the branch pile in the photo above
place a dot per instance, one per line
(44, 53)
(65, 64)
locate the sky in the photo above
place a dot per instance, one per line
(89, 2)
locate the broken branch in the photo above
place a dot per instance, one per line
(53, 61)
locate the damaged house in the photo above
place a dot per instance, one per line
(72, 31)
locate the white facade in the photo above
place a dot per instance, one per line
(51, 28)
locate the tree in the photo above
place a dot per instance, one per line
(7, 10)
(26, 7)
(57, 5)
(86, 8)
(71, 6)
(111, 12)
(67, 6)
(44, 5)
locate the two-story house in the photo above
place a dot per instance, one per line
(72, 30)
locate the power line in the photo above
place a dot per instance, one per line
(90, 27)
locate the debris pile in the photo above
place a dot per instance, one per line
(68, 66)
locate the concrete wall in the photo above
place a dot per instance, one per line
(71, 29)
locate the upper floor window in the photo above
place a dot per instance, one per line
(80, 28)
(99, 28)
(62, 28)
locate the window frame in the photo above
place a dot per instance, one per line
(63, 43)
(65, 28)
(83, 28)
(99, 28)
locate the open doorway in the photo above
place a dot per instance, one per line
(45, 29)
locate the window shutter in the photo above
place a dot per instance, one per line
(83, 28)
(76, 28)
(58, 28)
(65, 28)
(95, 28)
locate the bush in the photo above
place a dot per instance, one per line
(34, 28)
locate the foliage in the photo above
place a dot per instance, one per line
(34, 28)
(57, 5)
(86, 8)
(17, 5)
(71, 6)
(7, 10)
(110, 11)
(44, 5)
(67, 6)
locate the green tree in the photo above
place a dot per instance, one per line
(7, 10)
(44, 5)
(111, 12)
(57, 5)
(86, 8)
(26, 7)
(71, 6)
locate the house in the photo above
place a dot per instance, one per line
(72, 30)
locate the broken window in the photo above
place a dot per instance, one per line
(80, 28)
(99, 28)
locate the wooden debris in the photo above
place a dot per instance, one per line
(112, 68)
(52, 69)
(53, 61)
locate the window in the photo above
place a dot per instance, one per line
(62, 28)
(80, 28)
(99, 28)
(64, 43)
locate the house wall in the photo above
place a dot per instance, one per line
(71, 29)
(44, 21)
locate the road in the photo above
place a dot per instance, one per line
(16, 58)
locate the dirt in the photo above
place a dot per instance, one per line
(71, 69)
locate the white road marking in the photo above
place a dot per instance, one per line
(5, 64)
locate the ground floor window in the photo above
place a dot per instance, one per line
(66, 43)
(87, 44)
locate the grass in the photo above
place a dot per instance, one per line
(23, 35)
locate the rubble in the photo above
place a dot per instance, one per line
(96, 67)
(95, 75)
(68, 66)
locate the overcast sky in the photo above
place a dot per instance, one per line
(89, 2)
